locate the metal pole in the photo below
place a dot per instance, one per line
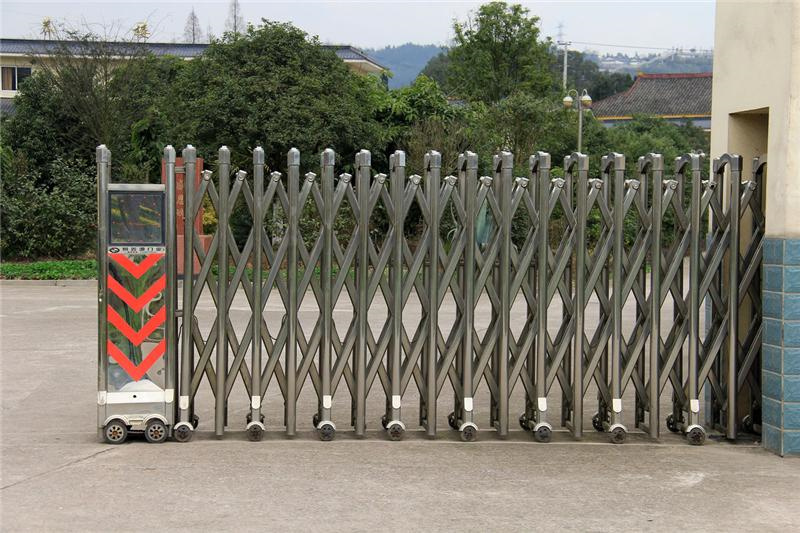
(694, 294)
(433, 163)
(504, 165)
(189, 155)
(617, 162)
(656, 164)
(733, 292)
(328, 160)
(540, 164)
(293, 176)
(222, 290)
(171, 293)
(580, 123)
(397, 184)
(103, 158)
(258, 254)
(364, 170)
(582, 163)
(469, 176)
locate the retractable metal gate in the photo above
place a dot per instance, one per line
(536, 293)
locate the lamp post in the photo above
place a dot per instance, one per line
(584, 102)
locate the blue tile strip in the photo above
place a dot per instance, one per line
(780, 361)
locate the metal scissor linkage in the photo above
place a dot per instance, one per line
(649, 254)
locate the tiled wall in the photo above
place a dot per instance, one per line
(781, 346)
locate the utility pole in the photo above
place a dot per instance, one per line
(565, 44)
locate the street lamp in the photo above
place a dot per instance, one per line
(584, 102)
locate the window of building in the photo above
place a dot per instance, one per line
(13, 76)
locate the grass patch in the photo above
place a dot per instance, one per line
(57, 269)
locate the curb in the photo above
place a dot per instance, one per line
(47, 282)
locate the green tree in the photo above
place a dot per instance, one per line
(498, 52)
(275, 87)
(437, 69)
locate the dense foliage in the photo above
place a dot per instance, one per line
(275, 87)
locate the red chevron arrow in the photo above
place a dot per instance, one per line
(137, 270)
(137, 303)
(137, 371)
(137, 337)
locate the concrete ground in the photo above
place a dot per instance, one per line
(56, 476)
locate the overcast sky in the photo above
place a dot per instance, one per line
(640, 24)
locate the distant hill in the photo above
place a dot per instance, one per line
(405, 61)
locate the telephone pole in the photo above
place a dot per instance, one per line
(565, 44)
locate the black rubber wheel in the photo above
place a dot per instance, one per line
(747, 424)
(315, 420)
(696, 436)
(326, 432)
(115, 432)
(155, 432)
(384, 421)
(672, 424)
(195, 421)
(618, 435)
(542, 434)
(523, 422)
(451, 421)
(254, 433)
(182, 433)
(469, 434)
(597, 423)
(395, 432)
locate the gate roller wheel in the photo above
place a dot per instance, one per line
(597, 422)
(542, 433)
(672, 424)
(254, 432)
(523, 422)
(195, 421)
(326, 431)
(747, 423)
(384, 422)
(618, 435)
(315, 419)
(155, 431)
(451, 421)
(696, 436)
(183, 432)
(469, 434)
(395, 431)
(115, 432)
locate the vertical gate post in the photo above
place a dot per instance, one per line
(433, 164)
(540, 165)
(655, 164)
(734, 163)
(579, 163)
(103, 159)
(363, 178)
(397, 184)
(615, 163)
(258, 253)
(293, 177)
(189, 155)
(468, 175)
(693, 385)
(171, 293)
(327, 162)
(223, 217)
(503, 169)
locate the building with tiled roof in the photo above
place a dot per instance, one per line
(16, 54)
(679, 98)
